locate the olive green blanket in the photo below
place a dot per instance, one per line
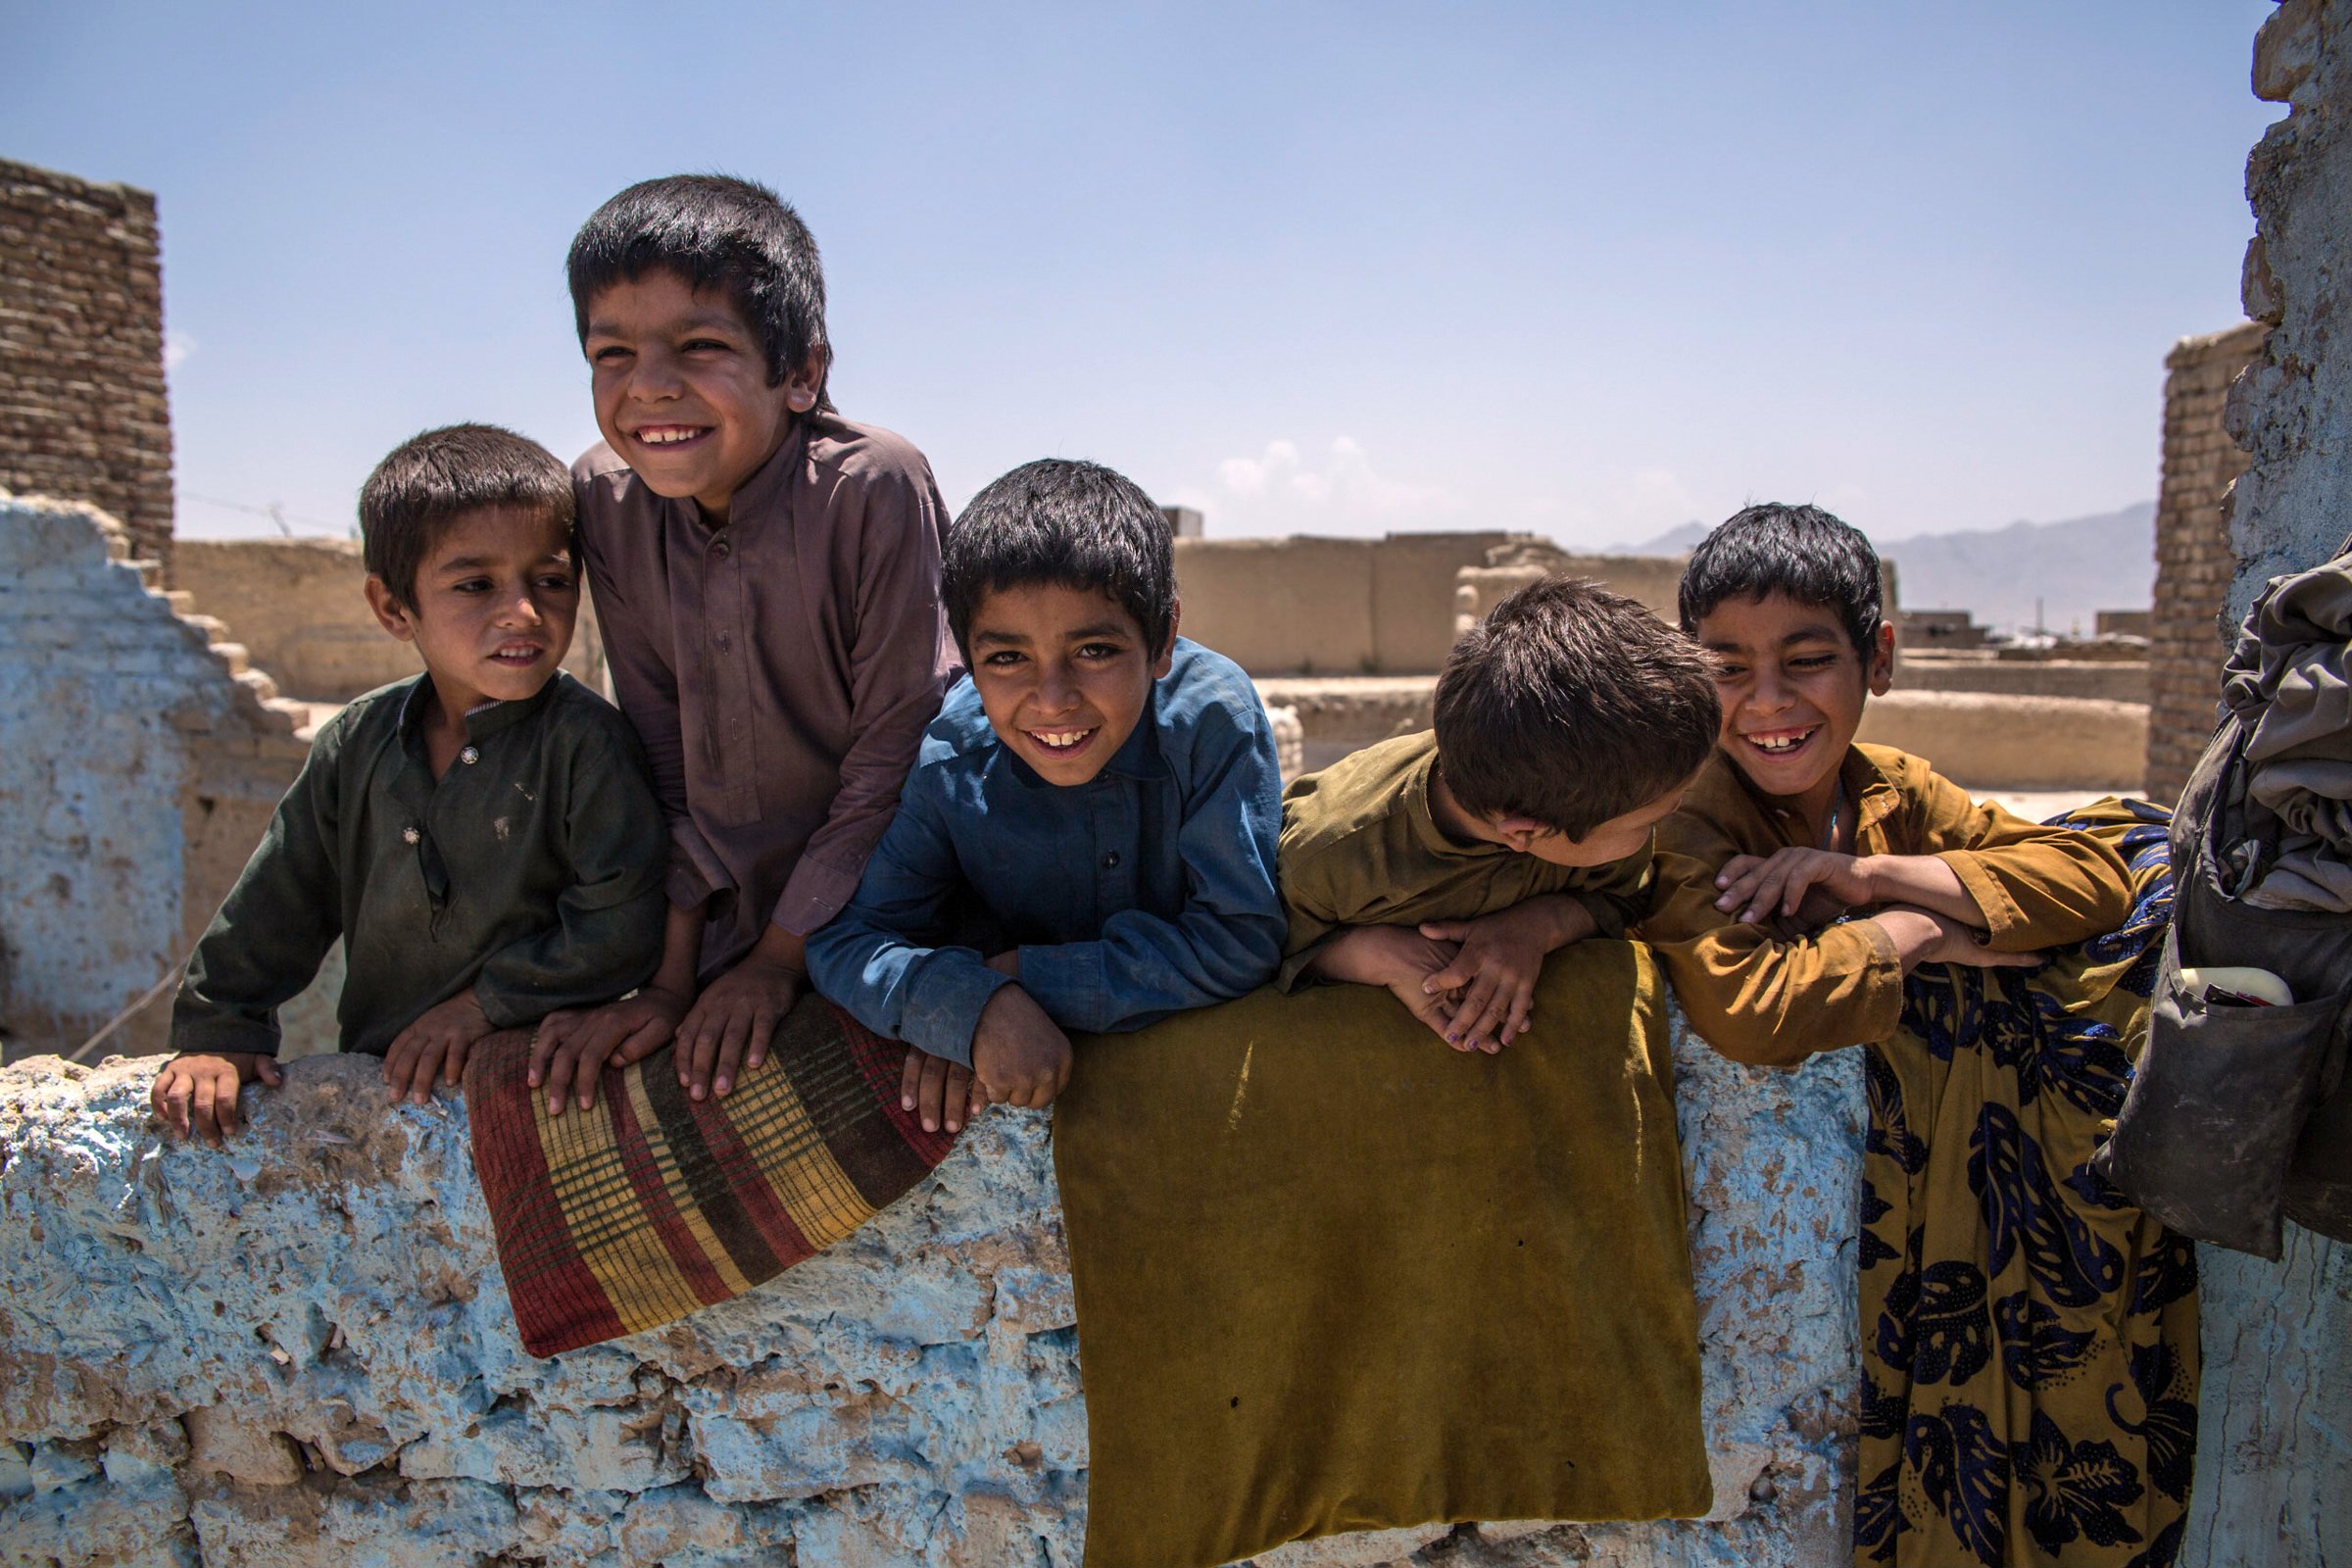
(1333, 1276)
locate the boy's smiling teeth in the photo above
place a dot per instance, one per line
(663, 435)
(1775, 742)
(1059, 740)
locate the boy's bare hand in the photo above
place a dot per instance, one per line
(435, 1047)
(1398, 957)
(197, 1093)
(572, 1049)
(1501, 958)
(1761, 887)
(733, 1020)
(941, 1093)
(1020, 1056)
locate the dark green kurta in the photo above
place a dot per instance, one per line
(531, 872)
(1361, 847)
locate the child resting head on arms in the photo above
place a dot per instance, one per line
(1445, 866)
(1087, 838)
(482, 836)
(1793, 827)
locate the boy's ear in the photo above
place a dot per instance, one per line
(1519, 832)
(390, 613)
(1881, 658)
(804, 386)
(1167, 649)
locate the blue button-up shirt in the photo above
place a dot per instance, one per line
(1146, 890)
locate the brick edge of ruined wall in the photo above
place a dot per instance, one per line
(2193, 563)
(85, 411)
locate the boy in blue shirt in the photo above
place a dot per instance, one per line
(1087, 838)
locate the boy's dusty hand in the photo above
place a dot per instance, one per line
(1398, 957)
(733, 1020)
(1020, 1056)
(941, 1093)
(572, 1049)
(1785, 882)
(1501, 958)
(197, 1093)
(435, 1047)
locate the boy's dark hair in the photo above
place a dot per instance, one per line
(1055, 521)
(1802, 552)
(429, 481)
(1572, 704)
(717, 233)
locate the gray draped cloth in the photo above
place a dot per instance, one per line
(2289, 681)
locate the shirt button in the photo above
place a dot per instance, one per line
(719, 548)
(409, 835)
(471, 755)
(1111, 861)
(725, 642)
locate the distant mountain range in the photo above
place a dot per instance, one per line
(2075, 567)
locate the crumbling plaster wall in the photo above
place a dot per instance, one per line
(140, 765)
(2275, 1466)
(298, 1353)
(83, 413)
(2193, 563)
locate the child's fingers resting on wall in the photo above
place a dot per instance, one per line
(941, 1093)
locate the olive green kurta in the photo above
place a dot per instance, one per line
(1361, 847)
(531, 871)
(2029, 1338)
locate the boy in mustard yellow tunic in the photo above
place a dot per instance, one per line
(2029, 1339)
(1445, 866)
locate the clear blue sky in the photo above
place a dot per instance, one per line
(1592, 271)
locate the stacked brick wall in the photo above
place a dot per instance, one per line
(2193, 563)
(83, 415)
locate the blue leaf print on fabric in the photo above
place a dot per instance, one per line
(2075, 1489)
(2169, 1429)
(2007, 1173)
(2146, 852)
(1882, 1412)
(1874, 1209)
(2166, 1275)
(2095, 1189)
(2080, 1058)
(1889, 1133)
(1950, 1338)
(1964, 1471)
(1878, 1514)
(2037, 1347)
(2165, 1551)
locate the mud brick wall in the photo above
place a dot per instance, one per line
(83, 415)
(2193, 563)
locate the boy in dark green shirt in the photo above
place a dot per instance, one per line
(483, 836)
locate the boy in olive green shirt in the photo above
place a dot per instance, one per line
(483, 836)
(1445, 866)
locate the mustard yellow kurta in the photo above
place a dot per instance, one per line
(1360, 846)
(2029, 1339)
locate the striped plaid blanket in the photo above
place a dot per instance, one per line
(651, 1206)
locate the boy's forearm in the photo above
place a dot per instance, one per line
(1923, 881)
(681, 952)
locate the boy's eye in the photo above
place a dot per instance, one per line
(1815, 661)
(1002, 658)
(610, 354)
(708, 344)
(1098, 651)
(471, 585)
(556, 581)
